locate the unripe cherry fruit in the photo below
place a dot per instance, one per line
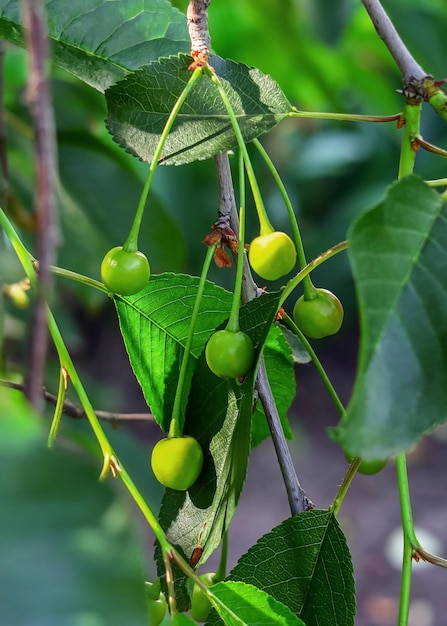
(272, 255)
(229, 354)
(200, 604)
(123, 272)
(177, 462)
(156, 603)
(369, 467)
(319, 317)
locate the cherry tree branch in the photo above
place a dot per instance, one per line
(228, 215)
(76, 412)
(197, 15)
(39, 98)
(411, 70)
(418, 85)
(298, 500)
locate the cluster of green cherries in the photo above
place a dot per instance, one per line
(230, 353)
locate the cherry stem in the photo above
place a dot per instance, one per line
(222, 568)
(264, 222)
(63, 384)
(176, 425)
(80, 278)
(343, 117)
(309, 290)
(347, 480)
(317, 363)
(322, 258)
(411, 119)
(131, 243)
(408, 531)
(233, 321)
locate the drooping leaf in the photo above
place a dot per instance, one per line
(99, 41)
(398, 252)
(305, 564)
(61, 533)
(219, 415)
(252, 606)
(140, 104)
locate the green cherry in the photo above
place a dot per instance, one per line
(123, 272)
(272, 255)
(177, 462)
(319, 317)
(156, 603)
(368, 467)
(200, 604)
(230, 354)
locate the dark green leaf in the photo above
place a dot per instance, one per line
(62, 534)
(140, 104)
(398, 252)
(253, 606)
(99, 41)
(305, 564)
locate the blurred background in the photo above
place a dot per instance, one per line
(325, 56)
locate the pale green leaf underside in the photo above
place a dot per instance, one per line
(99, 41)
(305, 564)
(398, 252)
(253, 606)
(140, 104)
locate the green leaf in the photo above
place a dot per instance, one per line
(154, 324)
(99, 41)
(61, 534)
(140, 104)
(253, 606)
(219, 415)
(305, 564)
(398, 252)
(281, 375)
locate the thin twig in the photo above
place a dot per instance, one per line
(227, 214)
(39, 98)
(411, 70)
(298, 500)
(199, 34)
(77, 412)
(297, 497)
